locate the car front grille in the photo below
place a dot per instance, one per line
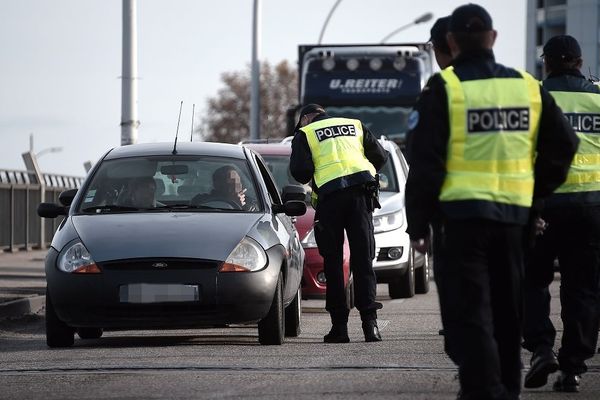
(154, 264)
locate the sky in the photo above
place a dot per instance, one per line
(60, 61)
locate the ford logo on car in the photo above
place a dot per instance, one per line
(160, 265)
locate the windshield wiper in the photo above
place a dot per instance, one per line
(113, 207)
(192, 207)
(179, 206)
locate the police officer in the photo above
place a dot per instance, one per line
(572, 215)
(484, 132)
(341, 156)
(443, 57)
(438, 40)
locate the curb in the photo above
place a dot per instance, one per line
(21, 307)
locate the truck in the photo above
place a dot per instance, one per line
(376, 83)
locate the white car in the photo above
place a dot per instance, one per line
(406, 272)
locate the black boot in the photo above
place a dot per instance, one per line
(337, 334)
(543, 363)
(567, 382)
(371, 331)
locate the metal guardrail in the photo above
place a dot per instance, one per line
(20, 193)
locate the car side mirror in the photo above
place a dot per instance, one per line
(66, 197)
(292, 208)
(293, 192)
(51, 210)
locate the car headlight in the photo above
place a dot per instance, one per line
(76, 259)
(388, 222)
(248, 256)
(309, 241)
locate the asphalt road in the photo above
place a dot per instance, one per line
(229, 363)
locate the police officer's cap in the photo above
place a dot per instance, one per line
(470, 18)
(311, 109)
(562, 47)
(438, 34)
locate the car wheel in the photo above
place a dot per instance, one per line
(293, 316)
(58, 334)
(403, 287)
(271, 328)
(89, 333)
(423, 276)
(350, 293)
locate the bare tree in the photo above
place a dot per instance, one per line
(227, 117)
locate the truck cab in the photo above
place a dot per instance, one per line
(378, 84)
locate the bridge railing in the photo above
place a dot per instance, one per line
(20, 194)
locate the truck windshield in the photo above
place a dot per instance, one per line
(390, 122)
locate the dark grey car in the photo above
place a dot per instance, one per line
(152, 240)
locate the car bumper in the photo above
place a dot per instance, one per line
(385, 267)
(313, 265)
(94, 300)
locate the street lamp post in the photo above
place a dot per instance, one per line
(423, 18)
(48, 150)
(255, 80)
(337, 3)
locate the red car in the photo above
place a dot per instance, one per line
(277, 158)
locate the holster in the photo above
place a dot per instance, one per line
(372, 193)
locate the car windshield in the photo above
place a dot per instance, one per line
(163, 183)
(388, 181)
(280, 168)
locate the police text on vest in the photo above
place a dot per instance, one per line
(498, 119)
(585, 123)
(333, 131)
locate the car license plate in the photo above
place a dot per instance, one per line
(142, 293)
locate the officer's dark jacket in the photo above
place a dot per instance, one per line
(571, 80)
(303, 168)
(428, 146)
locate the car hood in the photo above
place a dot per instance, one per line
(210, 236)
(391, 202)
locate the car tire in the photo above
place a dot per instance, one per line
(293, 316)
(350, 293)
(89, 333)
(58, 334)
(403, 287)
(423, 276)
(272, 327)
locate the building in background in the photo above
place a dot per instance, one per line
(578, 18)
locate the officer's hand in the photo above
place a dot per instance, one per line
(421, 245)
(540, 226)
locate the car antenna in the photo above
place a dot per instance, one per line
(192, 132)
(177, 131)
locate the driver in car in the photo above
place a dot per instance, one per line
(227, 187)
(142, 193)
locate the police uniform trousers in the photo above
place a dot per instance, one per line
(347, 209)
(572, 237)
(481, 304)
(439, 259)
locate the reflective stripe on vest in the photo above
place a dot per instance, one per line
(493, 130)
(336, 145)
(583, 112)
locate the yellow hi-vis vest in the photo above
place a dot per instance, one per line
(493, 131)
(336, 146)
(582, 109)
